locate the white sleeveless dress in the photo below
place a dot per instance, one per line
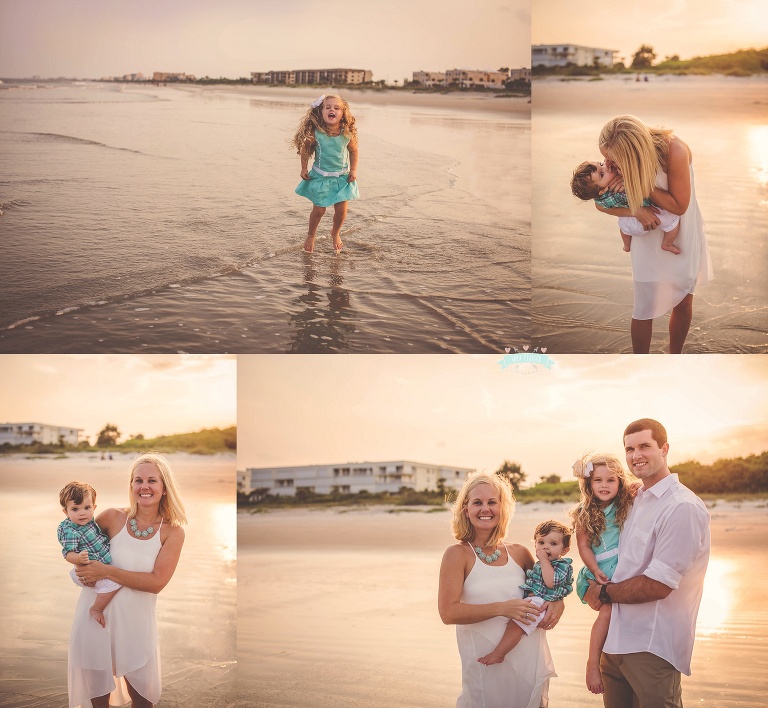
(663, 279)
(100, 659)
(522, 679)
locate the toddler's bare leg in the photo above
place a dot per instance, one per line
(668, 240)
(596, 642)
(314, 221)
(98, 607)
(339, 214)
(627, 240)
(512, 636)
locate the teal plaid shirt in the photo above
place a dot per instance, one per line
(74, 538)
(613, 200)
(563, 585)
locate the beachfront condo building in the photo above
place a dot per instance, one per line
(28, 433)
(429, 79)
(470, 78)
(164, 76)
(561, 54)
(313, 76)
(354, 477)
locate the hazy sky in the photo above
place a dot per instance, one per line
(95, 38)
(153, 394)
(688, 28)
(467, 411)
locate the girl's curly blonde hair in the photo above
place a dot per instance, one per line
(588, 516)
(304, 140)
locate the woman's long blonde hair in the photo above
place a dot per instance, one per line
(639, 151)
(304, 140)
(588, 516)
(462, 529)
(171, 506)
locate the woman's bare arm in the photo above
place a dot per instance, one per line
(647, 216)
(111, 522)
(453, 611)
(677, 198)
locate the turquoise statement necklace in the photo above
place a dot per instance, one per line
(138, 533)
(487, 558)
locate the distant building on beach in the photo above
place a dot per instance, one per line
(561, 54)
(353, 477)
(171, 76)
(28, 433)
(470, 78)
(430, 79)
(313, 76)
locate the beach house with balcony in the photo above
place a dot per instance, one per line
(472, 78)
(28, 433)
(551, 55)
(313, 76)
(354, 477)
(429, 79)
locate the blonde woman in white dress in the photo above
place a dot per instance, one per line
(655, 163)
(480, 592)
(121, 664)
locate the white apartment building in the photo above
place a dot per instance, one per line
(469, 78)
(353, 477)
(27, 433)
(313, 76)
(430, 78)
(517, 74)
(562, 54)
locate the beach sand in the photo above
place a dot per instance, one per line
(339, 608)
(196, 611)
(582, 280)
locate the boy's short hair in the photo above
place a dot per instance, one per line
(76, 492)
(547, 527)
(582, 185)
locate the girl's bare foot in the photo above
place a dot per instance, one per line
(309, 244)
(594, 679)
(98, 615)
(337, 244)
(670, 247)
(492, 658)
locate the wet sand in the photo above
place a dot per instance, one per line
(196, 612)
(338, 608)
(206, 235)
(582, 280)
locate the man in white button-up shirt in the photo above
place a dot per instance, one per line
(657, 586)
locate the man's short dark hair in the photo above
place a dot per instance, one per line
(658, 432)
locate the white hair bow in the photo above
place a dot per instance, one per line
(580, 469)
(319, 102)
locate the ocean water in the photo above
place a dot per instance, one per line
(582, 280)
(164, 219)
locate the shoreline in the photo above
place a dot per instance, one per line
(517, 105)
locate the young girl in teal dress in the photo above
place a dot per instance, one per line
(607, 493)
(328, 132)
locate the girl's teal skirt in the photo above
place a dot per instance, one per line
(327, 191)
